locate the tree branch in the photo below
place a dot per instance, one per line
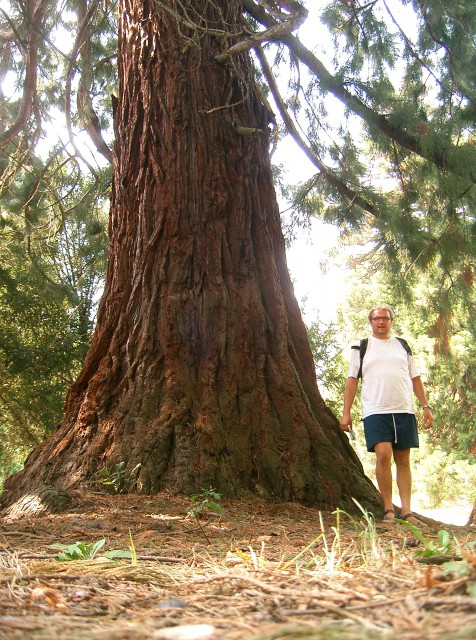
(285, 25)
(82, 29)
(444, 159)
(86, 110)
(327, 173)
(448, 51)
(411, 48)
(29, 87)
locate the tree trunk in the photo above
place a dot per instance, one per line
(200, 370)
(472, 516)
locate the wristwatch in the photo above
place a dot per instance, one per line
(427, 406)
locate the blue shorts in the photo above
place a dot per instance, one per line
(398, 428)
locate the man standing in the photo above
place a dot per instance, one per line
(389, 379)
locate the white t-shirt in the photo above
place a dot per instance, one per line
(387, 374)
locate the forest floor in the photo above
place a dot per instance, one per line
(261, 571)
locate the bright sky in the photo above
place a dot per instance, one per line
(317, 291)
(323, 291)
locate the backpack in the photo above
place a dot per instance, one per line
(363, 348)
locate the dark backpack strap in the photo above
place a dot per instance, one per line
(405, 345)
(362, 349)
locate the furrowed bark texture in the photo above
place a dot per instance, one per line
(200, 369)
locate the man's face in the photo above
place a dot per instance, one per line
(381, 323)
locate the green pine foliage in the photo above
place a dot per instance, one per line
(50, 280)
(329, 360)
(407, 144)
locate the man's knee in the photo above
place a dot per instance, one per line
(383, 453)
(402, 457)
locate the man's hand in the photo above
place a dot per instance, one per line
(346, 422)
(427, 417)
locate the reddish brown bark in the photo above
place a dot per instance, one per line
(472, 516)
(200, 369)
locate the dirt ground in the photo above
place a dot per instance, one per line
(259, 572)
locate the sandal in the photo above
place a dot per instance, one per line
(386, 518)
(417, 523)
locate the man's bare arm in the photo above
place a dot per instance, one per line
(349, 396)
(419, 391)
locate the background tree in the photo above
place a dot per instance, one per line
(331, 368)
(49, 284)
(52, 227)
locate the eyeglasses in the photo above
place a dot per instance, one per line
(383, 318)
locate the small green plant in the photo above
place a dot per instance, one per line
(464, 566)
(88, 551)
(307, 548)
(114, 479)
(78, 550)
(442, 546)
(118, 480)
(120, 554)
(334, 553)
(206, 500)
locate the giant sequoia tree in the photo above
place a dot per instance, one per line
(199, 371)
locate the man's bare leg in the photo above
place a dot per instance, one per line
(404, 481)
(383, 472)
